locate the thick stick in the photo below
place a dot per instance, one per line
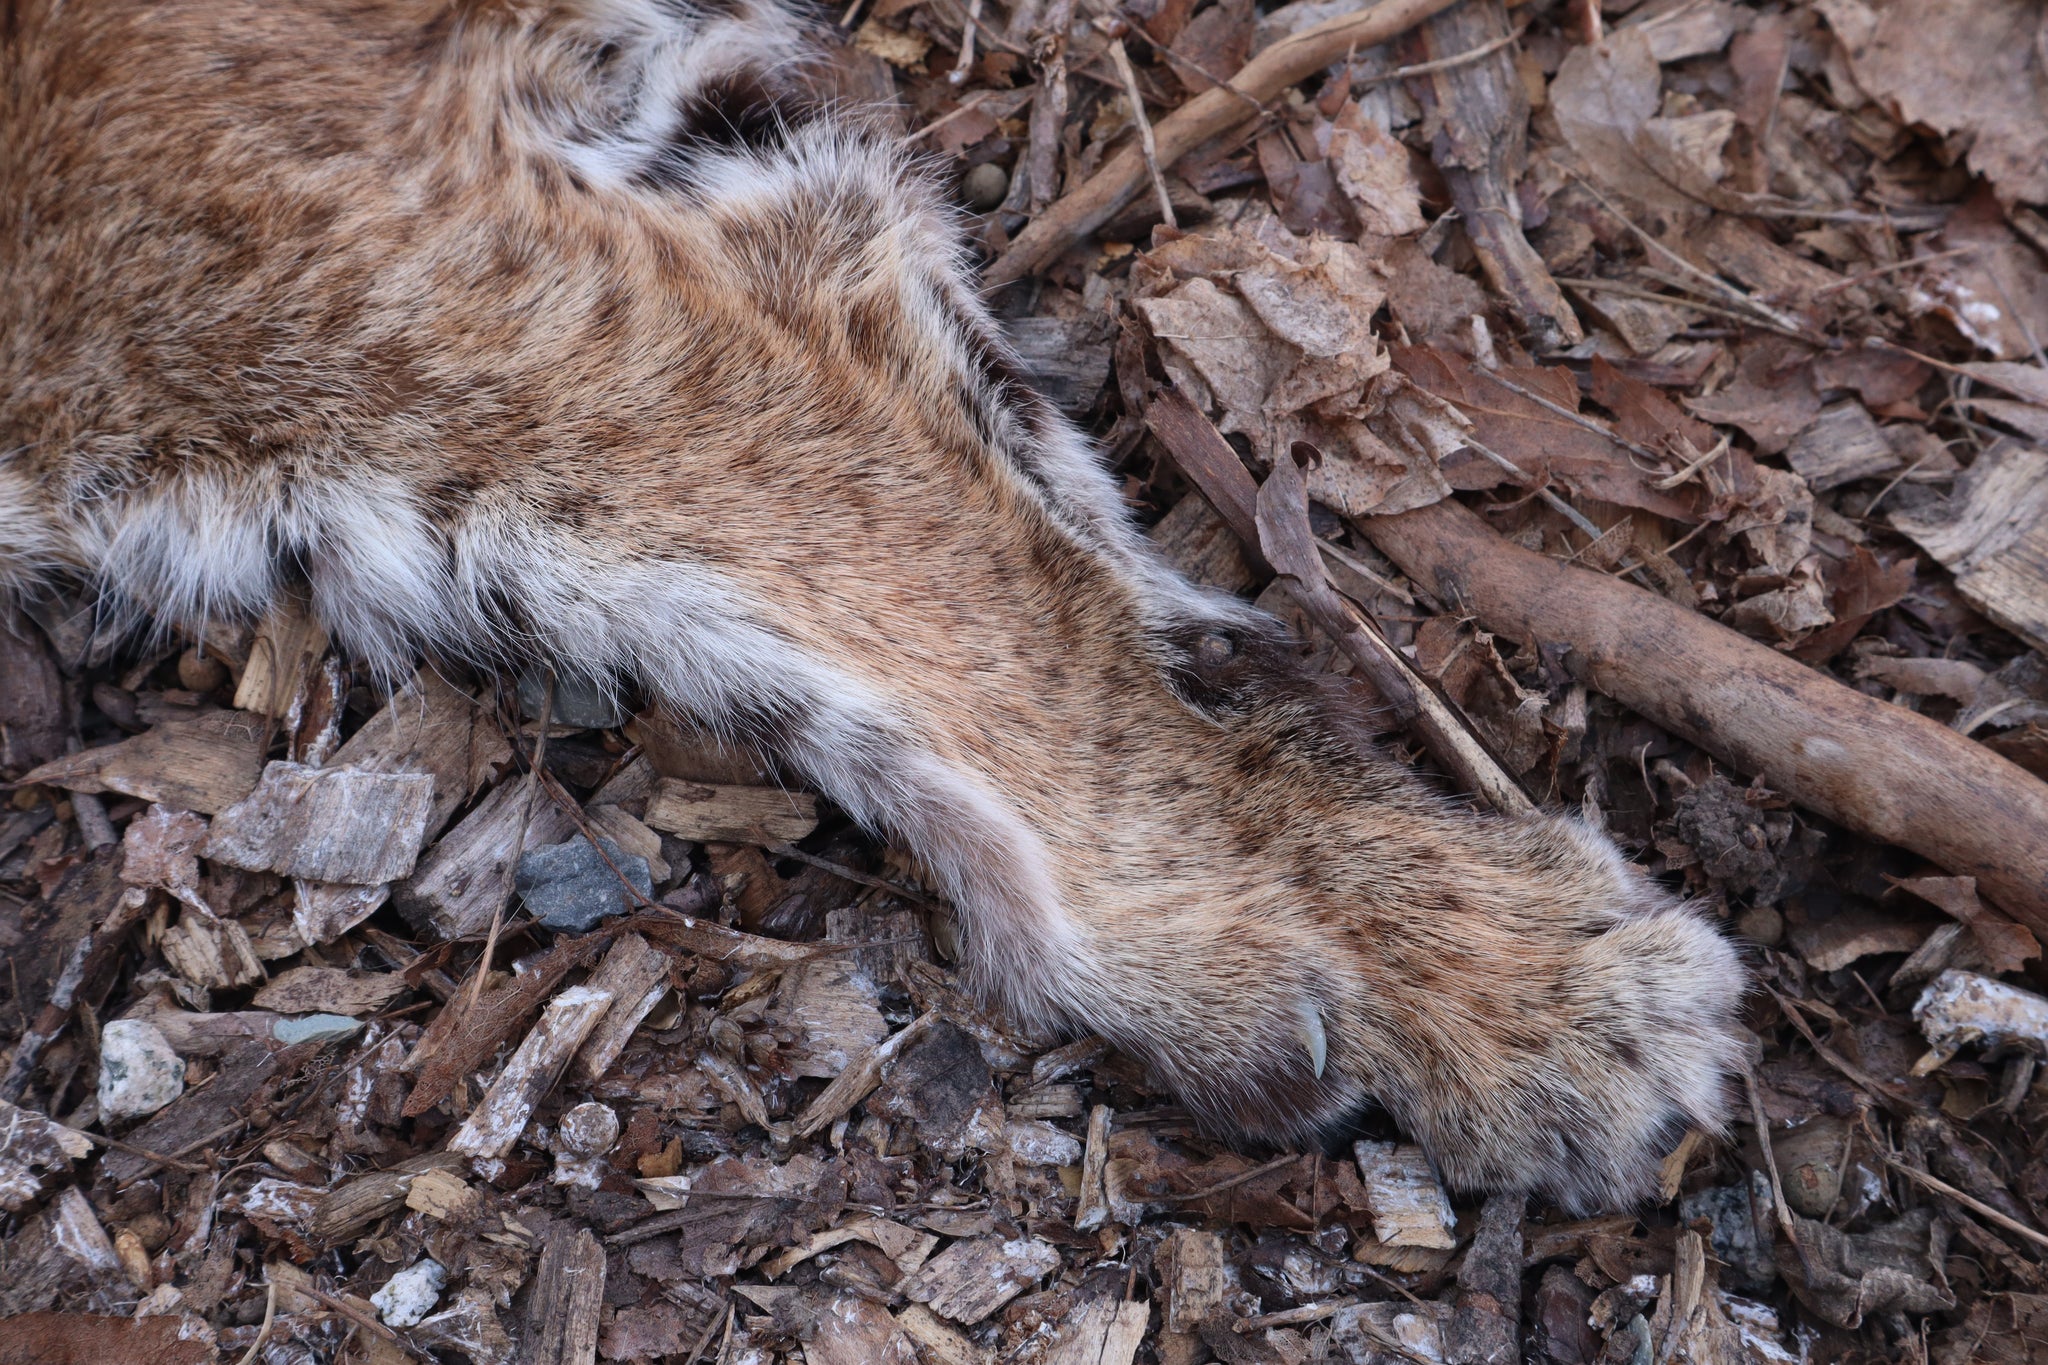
(1215, 111)
(1878, 769)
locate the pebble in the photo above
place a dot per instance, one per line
(985, 186)
(140, 1072)
(327, 1028)
(1762, 925)
(200, 672)
(578, 701)
(410, 1294)
(589, 1129)
(568, 886)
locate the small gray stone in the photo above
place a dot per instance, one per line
(984, 187)
(568, 886)
(579, 702)
(140, 1072)
(326, 1028)
(589, 1129)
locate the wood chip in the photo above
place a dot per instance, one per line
(733, 815)
(288, 643)
(209, 952)
(1103, 1332)
(431, 727)
(568, 1292)
(1091, 1206)
(456, 887)
(30, 1143)
(205, 763)
(1197, 1278)
(1841, 445)
(357, 1203)
(941, 1343)
(329, 990)
(323, 911)
(853, 1331)
(970, 1280)
(635, 974)
(326, 824)
(1992, 531)
(1409, 1208)
(441, 1194)
(531, 1072)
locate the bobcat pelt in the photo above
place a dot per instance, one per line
(583, 334)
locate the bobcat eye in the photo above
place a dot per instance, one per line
(1214, 649)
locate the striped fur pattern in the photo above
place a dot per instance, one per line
(590, 333)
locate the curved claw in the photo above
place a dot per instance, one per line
(1313, 1038)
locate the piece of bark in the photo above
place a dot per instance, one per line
(530, 1073)
(1091, 1206)
(326, 824)
(1104, 1331)
(1198, 542)
(429, 726)
(1840, 446)
(357, 1203)
(197, 1113)
(854, 1331)
(1198, 1278)
(97, 938)
(323, 911)
(464, 1035)
(940, 1342)
(458, 885)
(329, 990)
(1480, 113)
(1409, 1208)
(194, 1034)
(1292, 59)
(970, 1280)
(632, 836)
(1992, 532)
(734, 815)
(833, 1009)
(1485, 1326)
(31, 1143)
(635, 974)
(210, 952)
(205, 762)
(288, 644)
(33, 720)
(61, 1248)
(88, 1339)
(1876, 768)
(568, 1292)
(860, 1078)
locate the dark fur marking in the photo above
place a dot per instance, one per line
(737, 113)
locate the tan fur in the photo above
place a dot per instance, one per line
(443, 309)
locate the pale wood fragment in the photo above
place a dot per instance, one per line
(329, 990)
(209, 952)
(1091, 1207)
(635, 973)
(326, 824)
(456, 886)
(859, 1079)
(1198, 1278)
(568, 1292)
(354, 1205)
(940, 1342)
(30, 1143)
(205, 763)
(631, 835)
(442, 1194)
(853, 1331)
(323, 911)
(530, 1073)
(970, 1280)
(288, 643)
(1992, 531)
(1409, 1207)
(734, 815)
(1103, 1332)
(429, 726)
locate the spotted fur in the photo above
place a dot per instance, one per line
(592, 333)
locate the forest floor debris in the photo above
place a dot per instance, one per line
(1453, 335)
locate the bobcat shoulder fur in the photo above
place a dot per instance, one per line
(574, 333)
